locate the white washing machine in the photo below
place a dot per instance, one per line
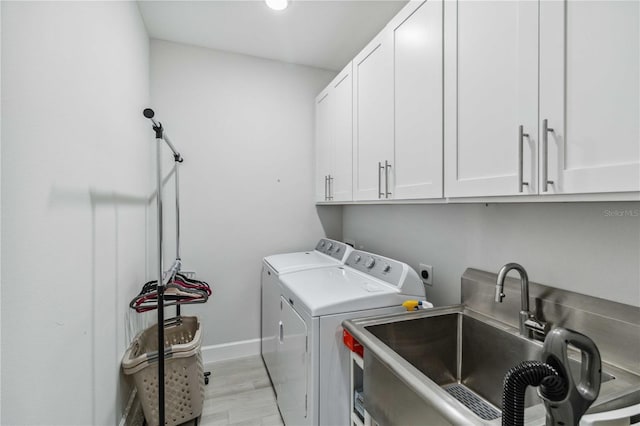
(326, 254)
(313, 364)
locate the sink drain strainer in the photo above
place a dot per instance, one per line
(473, 402)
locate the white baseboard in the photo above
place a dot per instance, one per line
(225, 351)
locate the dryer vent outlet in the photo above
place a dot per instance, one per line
(426, 273)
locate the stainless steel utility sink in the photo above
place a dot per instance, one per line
(447, 365)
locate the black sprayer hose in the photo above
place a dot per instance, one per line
(553, 388)
(516, 381)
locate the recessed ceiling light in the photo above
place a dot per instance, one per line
(277, 4)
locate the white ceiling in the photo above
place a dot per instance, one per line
(319, 33)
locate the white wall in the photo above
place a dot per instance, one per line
(0, 214)
(245, 127)
(75, 179)
(590, 248)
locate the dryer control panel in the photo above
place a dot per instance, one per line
(393, 272)
(336, 249)
(383, 268)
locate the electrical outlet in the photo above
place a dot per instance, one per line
(426, 273)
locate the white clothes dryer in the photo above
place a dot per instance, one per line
(327, 253)
(313, 364)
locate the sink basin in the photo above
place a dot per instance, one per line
(456, 349)
(447, 365)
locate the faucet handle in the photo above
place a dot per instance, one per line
(537, 326)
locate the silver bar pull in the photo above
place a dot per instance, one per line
(521, 136)
(545, 157)
(280, 332)
(326, 180)
(330, 188)
(325, 187)
(387, 166)
(380, 167)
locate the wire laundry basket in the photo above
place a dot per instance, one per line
(184, 373)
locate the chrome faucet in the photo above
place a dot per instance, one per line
(529, 324)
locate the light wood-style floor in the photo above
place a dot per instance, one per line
(239, 393)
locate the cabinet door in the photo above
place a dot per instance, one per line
(373, 100)
(418, 102)
(323, 144)
(341, 169)
(589, 95)
(491, 88)
(292, 366)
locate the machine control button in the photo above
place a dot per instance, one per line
(386, 268)
(337, 249)
(329, 246)
(370, 262)
(322, 244)
(358, 258)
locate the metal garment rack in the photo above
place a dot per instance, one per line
(164, 279)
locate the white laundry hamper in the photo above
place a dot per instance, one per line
(183, 370)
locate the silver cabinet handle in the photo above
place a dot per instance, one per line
(326, 189)
(387, 166)
(521, 136)
(280, 332)
(380, 193)
(330, 188)
(545, 157)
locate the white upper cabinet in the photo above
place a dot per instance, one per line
(373, 118)
(491, 90)
(341, 180)
(590, 96)
(323, 145)
(468, 98)
(418, 84)
(334, 139)
(398, 108)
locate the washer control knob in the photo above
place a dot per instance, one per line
(329, 246)
(358, 258)
(386, 268)
(322, 244)
(370, 262)
(338, 249)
